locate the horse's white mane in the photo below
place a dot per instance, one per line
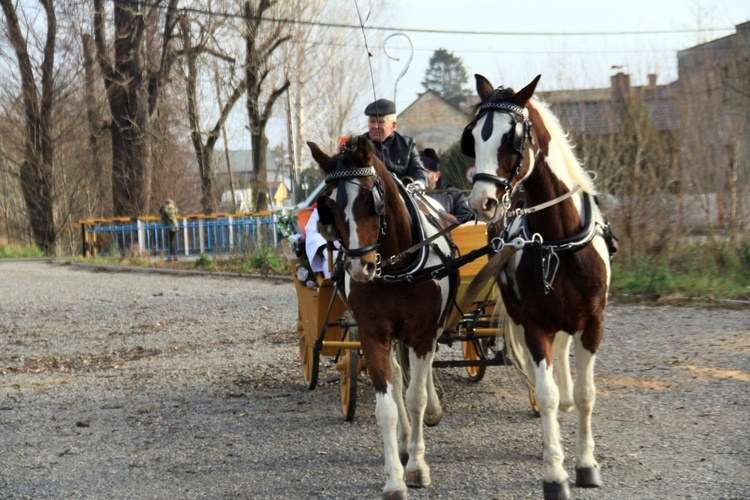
(577, 174)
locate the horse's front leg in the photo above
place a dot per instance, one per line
(377, 353)
(587, 469)
(548, 400)
(434, 411)
(403, 427)
(417, 471)
(561, 351)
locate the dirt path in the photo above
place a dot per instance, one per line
(124, 385)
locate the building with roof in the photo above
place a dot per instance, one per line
(432, 121)
(714, 90)
(592, 112)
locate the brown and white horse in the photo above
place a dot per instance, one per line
(368, 210)
(555, 288)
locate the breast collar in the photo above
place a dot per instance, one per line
(572, 243)
(418, 234)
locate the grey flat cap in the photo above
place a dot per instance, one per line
(381, 107)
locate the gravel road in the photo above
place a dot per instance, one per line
(134, 385)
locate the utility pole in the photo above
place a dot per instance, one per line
(292, 145)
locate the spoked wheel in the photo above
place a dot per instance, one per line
(310, 359)
(348, 368)
(475, 350)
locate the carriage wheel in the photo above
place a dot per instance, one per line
(310, 362)
(474, 351)
(347, 366)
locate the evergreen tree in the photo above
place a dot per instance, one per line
(446, 75)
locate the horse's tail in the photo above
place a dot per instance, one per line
(515, 348)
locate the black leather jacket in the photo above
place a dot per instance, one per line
(453, 200)
(400, 156)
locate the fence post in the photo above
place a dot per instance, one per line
(230, 226)
(185, 235)
(201, 244)
(275, 229)
(141, 235)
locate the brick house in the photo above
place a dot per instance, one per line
(714, 104)
(432, 121)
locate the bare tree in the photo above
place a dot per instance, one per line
(133, 78)
(36, 170)
(205, 44)
(262, 38)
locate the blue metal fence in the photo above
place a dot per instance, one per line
(196, 235)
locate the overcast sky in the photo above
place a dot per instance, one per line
(571, 43)
(573, 60)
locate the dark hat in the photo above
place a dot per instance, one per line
(381, 107)
(168, 201)
(430, 159)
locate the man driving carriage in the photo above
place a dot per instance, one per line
(397, 152)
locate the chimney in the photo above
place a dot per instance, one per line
(652, 79)
(620, 86)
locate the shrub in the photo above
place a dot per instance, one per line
(205, 262)
(17, 251)
(264, 261)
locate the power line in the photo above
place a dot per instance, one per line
(194, 10)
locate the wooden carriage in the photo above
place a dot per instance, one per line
(326, 327)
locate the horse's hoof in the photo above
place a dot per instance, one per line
(432, 420)
(395, 495)
(556, 491)
(419, 478)
(404, 458)
(588, 477)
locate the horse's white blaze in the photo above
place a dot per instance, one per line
(584, 394)
(548, 398)
(486, 161)
(386, 413)
(356, 267)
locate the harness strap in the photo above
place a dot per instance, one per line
(518, 212)
(402, 255)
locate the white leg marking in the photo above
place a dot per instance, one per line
(585, 398)
(548, 398)
(386, 413)
(403, 427)
(561, 353)
(416, 402)
(434, 411)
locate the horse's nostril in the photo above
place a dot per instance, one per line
(370, 268)
(490, 204)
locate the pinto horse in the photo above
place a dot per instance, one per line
(376, 223)
(530, 184)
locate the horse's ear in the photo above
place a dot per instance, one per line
(484, 87)
(319, 156)
(523, 95)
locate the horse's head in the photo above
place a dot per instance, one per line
(497, 138)
(353, 202)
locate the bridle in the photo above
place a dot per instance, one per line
(340, 176)
(520, 131)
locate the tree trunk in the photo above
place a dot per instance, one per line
(132, 92)
(259, 183)
(36, 169)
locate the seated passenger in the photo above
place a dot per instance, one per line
(451, 198)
